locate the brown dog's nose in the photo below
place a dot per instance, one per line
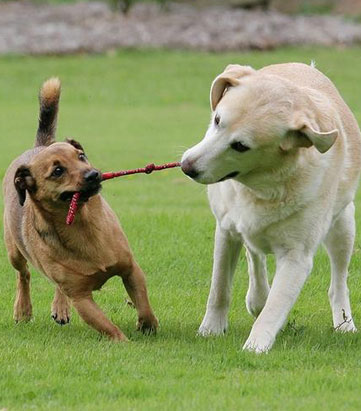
(91, 176)
(188, 169)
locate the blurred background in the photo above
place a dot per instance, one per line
(67, 26)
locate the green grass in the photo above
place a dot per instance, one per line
(127, 110)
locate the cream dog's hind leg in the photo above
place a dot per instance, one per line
(226, 253)
(258, 288)
(339, 244)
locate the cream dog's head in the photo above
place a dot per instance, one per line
(258, 122)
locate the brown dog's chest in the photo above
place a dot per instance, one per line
(80, 258)
(73, 280)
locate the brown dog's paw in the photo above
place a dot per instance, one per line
(129, 303)
(61, 320)
(60, 313)
(22, 310)
(118, 336)
(148, 325)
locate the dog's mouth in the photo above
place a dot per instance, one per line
(228, 176)
(85, 194)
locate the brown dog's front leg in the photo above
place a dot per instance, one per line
(94, 316)
(60, 308)
(137, 290)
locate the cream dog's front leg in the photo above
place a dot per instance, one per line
(226, 253)
(292, 270)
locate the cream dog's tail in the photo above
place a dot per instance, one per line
(49, 101)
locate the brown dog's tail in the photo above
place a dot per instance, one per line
(49, 101)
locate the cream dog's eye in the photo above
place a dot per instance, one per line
(57, 172)
(238, 146)
(82, 157)
(217, 119)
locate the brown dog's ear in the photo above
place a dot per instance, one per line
(229, 78)
(75, 144)
(23, 181)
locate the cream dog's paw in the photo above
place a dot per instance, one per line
(256, 301)
(214, 323)
(259, 344)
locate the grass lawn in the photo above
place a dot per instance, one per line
(129, 109)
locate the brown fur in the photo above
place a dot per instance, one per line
(79, 258)
(49, 100)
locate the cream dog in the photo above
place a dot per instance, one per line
(282, 159)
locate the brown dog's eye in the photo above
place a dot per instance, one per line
(238, 146)
(82, 157)
(217, 119)
(57, 172)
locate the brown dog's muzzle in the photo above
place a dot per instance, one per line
(91, 185)
(92, 176)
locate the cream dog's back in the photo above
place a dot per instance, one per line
(307, 76)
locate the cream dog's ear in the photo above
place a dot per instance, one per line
(306, 136)
(229, 78)
(312, 124)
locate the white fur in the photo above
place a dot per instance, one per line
(288, 197)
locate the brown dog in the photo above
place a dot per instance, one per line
(80, 258)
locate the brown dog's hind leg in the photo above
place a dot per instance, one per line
(22, 306)
(60, 308)
(135, 285)
(94, 316)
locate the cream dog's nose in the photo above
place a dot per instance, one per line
(188, 168)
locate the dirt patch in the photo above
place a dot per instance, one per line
(26, 28)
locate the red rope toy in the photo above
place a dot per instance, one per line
(107, 176)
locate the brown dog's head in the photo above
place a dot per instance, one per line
(56, 173)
